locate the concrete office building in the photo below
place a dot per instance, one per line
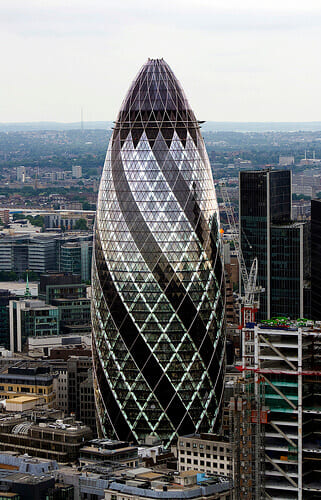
(77, 171)
(205, 453)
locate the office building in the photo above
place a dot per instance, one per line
(87, 413)
(31, 318)
(207, 453)
(158, 283)
(77, 370)
(36, 252)
(280, 245)
(76, 258)
(146, 484)
(65, 291)
(315, 259)
(58, 440)
(141, 483)
(109, 451)
(77, 171)
(21, 174)
(27, 379)
(288, 269)
(5, 297)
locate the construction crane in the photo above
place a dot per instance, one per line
(249, 300)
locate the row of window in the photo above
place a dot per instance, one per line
(10, 388)
(214, 457)
(208, 455)
(201, 446)
(208, 464)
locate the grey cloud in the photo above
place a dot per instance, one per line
(106, 19)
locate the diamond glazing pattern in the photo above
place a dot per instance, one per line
(158, 285)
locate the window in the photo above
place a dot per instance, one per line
(188, 453)
(188, 445)
(208, 464)
(202, 462)
(181, 443)
(189, 461)
(201, 447)
(194, 445)
(221, 449)
(221, 466)
(195, 462)
(182, 460)
(208, 447)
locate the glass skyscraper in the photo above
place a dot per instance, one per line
(280, 244)
(157, 278)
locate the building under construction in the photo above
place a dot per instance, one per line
(275, 415)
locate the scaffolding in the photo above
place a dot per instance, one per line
(246, 420)
(277, 407)
(287, 371)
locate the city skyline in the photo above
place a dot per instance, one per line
(238, 62)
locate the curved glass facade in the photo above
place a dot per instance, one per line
(158, 284)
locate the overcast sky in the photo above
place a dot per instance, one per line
(237, 60)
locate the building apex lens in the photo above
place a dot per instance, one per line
(158, 284)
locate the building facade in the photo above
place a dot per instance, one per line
(5, 297)
(158, 284)
(280, 245)
(65, 291)
(76, 258)
(21, 380)
(275, 414)
(31, 318)
(36, 252)
(205, 453)
(315, 259)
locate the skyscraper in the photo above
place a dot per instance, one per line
(315, 259)
(268, 233)
(157, 280)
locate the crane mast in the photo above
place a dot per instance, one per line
(249, 301)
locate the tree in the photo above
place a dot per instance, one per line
(81, 224)
(38, 220)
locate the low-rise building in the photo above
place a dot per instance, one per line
(207, 453)
(146, 484)
(109, 451)
(58, 440)
(118, 483)
(27, 379)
